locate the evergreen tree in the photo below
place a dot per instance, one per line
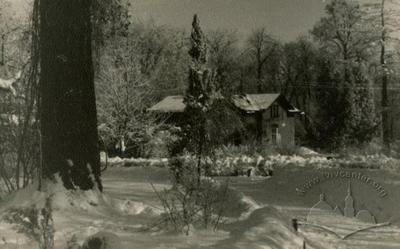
(200, 94)
(344, 41)
(330, 114)
(211, 120)
(362, 119)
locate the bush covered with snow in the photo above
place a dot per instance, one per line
(136, 162)
(239, 161)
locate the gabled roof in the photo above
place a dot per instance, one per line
(254, 102)
(169, 104)
(247, 102)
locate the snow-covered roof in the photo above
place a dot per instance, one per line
(245, 102)
(169, 104)
(254, 102)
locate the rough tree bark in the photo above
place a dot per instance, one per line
(67, 99)
(385, 100)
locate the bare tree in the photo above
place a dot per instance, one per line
(261, 47)
(135, 70)
(342, 32)
(384, 16)
(223, 58)
(123, 94)
(298, 69)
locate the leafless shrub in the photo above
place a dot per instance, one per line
(18, 138)
(190, 203)
(35, 223)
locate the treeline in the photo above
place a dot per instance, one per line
(343, 74)
(339, 74)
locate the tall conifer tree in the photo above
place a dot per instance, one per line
(199, 96)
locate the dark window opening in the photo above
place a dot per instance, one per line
(274, 134)
(274, 111)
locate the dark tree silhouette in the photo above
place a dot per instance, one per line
(197, 97)
(67, 101)
(262, 47)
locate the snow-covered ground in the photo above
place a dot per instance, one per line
(130, 204)
(280, 192)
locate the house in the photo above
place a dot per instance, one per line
(278, 115)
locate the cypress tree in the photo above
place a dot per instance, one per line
(199, 95)
(361, 125)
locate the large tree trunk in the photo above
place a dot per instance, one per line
(67, 100)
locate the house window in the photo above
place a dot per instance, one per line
(274, 111)
(274, 133)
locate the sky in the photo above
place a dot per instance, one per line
(284, 19)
